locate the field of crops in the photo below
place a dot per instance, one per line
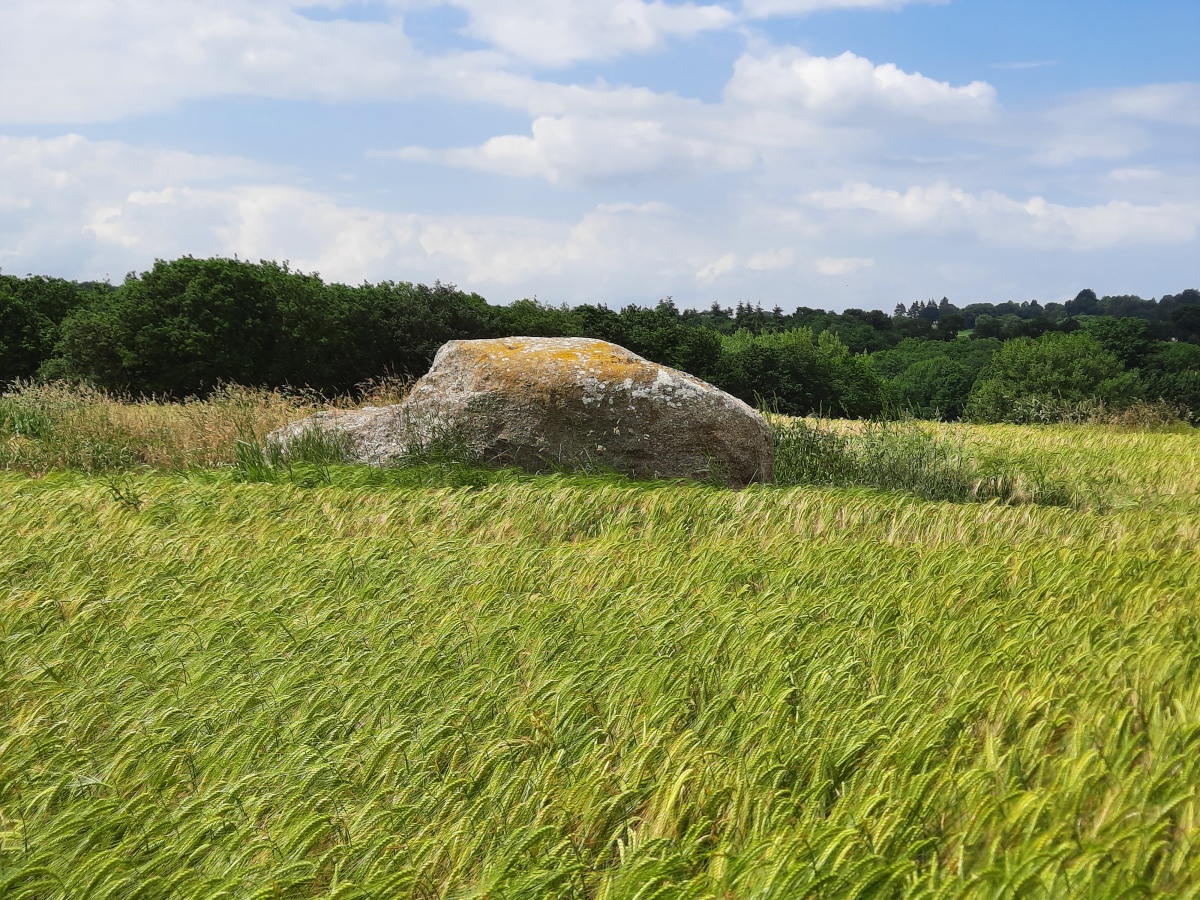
(349, 686)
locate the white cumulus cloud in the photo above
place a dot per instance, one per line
(847, 85)
(110, 207)
(99, 60)
(900, 176)
(717, 268)
(58, 196)
(594, 149)
(766, 260)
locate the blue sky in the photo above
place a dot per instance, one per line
(829, 153)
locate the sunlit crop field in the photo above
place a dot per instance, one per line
(569, 687)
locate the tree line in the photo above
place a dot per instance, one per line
(188, 325)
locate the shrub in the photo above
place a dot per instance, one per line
(1172, 374)
(935, 388)
(1045, 379)
(31, 310)
(185, 326)
(1146, 415)
(795, 373)
(1126, 339)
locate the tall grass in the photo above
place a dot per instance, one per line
(48, 427)
(1143, 415)
(909, 457)
(567, 688)
(57, 426)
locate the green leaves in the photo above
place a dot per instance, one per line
(797, 373)
(1055, 373)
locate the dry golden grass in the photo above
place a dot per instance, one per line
(49, 427)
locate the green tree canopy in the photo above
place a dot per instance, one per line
(1055, 370)
(31, 311)
(797, 373)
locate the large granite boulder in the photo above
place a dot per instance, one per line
(545, 403)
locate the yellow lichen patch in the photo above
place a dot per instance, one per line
(537, 363)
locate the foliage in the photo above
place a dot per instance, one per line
(932, 379)
(1054, 372)
(798, 373)
(1172, 373)
(31, 311)
(657, 334)
(934, 388)
(1011, 326)
(1126, 339)
(183, 327)
(187, 326)
(582, 689)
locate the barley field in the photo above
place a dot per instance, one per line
(338, 683)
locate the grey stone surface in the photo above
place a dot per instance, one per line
(545, 403)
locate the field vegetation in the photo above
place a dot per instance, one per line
(952, 661)
(44, 427)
